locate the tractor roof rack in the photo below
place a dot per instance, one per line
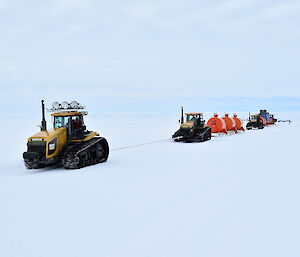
(66, 107)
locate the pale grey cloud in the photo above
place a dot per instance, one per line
(3, 4)
(63, 7)
(283, 10)
(152, 48)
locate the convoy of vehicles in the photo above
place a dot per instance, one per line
(72, 146)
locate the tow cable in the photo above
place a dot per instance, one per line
(138, 145)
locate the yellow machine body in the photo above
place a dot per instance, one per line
(189, 124)
(48, 136)
(60, 135)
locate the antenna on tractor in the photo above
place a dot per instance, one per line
(43, 123)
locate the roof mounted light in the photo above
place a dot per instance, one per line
(65, 105)
(74, 105)
(55, 105)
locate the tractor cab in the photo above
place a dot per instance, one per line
(254, 118)
(255, 121)
(70, 116)
(72, 121)
(196, 118)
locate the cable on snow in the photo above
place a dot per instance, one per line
(138, 145)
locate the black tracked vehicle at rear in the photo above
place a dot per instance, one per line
(255, 121)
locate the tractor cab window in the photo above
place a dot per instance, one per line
(77, 126)
(61, 121)
(196, 117)
(76, 122)
(191, 117)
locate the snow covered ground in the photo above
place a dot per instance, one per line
(232, 196)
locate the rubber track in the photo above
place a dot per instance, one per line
(69, 157)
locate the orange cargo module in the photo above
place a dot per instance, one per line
(217, 125)
(230, 123)
(238, 123)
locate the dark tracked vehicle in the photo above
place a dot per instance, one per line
(255, 121)
(193, 129)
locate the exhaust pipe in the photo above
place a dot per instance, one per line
(182, 115)
(43, 122)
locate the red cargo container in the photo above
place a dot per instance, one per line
(217, 125)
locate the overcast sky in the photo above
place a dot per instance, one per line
(160, 49)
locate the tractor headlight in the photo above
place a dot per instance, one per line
(65, 105)
(37, 139)
(74, 104)
(52, 146)
(55, 105)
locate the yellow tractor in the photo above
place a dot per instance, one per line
(69, 143)
(193, 130)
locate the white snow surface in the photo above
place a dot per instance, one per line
(232, 196)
